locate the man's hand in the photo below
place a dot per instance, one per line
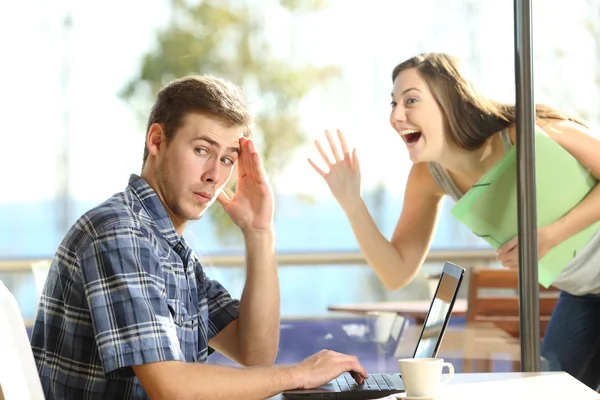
(177, 379)
(508, 253)
(251, 207)
(326, 365)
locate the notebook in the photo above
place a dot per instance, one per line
(489, 209)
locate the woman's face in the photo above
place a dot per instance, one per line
(417, 117)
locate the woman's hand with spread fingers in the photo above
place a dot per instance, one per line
(343, 177)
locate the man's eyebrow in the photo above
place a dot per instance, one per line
(214, 143)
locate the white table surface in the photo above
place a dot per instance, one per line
(511, 385)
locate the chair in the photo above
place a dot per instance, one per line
(502, 310)
(19, 377)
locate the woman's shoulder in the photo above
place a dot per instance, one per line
(552, 127)
(420, 179)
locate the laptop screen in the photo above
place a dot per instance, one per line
(439, 312)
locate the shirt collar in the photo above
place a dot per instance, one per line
(155, 208)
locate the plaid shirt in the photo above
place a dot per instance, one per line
(123, 290)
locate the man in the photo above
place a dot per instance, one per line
(127, 310)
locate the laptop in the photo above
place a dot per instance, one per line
(381, 385)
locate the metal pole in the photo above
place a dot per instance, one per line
(64, 159)
(527, 207)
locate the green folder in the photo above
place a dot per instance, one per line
(489, 208)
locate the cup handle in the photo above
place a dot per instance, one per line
(450, 372)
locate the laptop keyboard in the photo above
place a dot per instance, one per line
(376, 382)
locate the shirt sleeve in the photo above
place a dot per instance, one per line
(124, 287)
(222, 309)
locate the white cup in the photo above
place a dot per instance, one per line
(422, 376)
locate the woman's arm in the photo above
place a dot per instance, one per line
(396, 262)
(576, 139)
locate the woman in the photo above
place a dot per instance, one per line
(454, 135)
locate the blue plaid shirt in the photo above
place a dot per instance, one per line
(123, 289)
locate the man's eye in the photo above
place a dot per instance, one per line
(227, 161)
(201, 151)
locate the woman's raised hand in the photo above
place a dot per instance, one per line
(343, 177)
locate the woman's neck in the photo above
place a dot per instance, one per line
(472, 164)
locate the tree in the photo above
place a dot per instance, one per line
(227, 40)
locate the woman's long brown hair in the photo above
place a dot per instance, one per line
(471, 117)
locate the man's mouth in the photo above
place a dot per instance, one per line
(410, 136)
(204, 197)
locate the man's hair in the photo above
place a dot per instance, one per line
(203, 94)
(471, 116)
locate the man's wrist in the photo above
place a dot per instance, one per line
(258, 236)
(288, 377)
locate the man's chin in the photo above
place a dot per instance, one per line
(198, 212)
(192, 213)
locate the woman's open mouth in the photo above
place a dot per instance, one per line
(411, 136)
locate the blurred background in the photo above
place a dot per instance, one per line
(78, 80)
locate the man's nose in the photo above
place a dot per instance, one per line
(211, 172)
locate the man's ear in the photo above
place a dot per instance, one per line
(155, 139)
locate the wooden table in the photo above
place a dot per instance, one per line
(463, 341)
(416, 309)
(511, 386)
